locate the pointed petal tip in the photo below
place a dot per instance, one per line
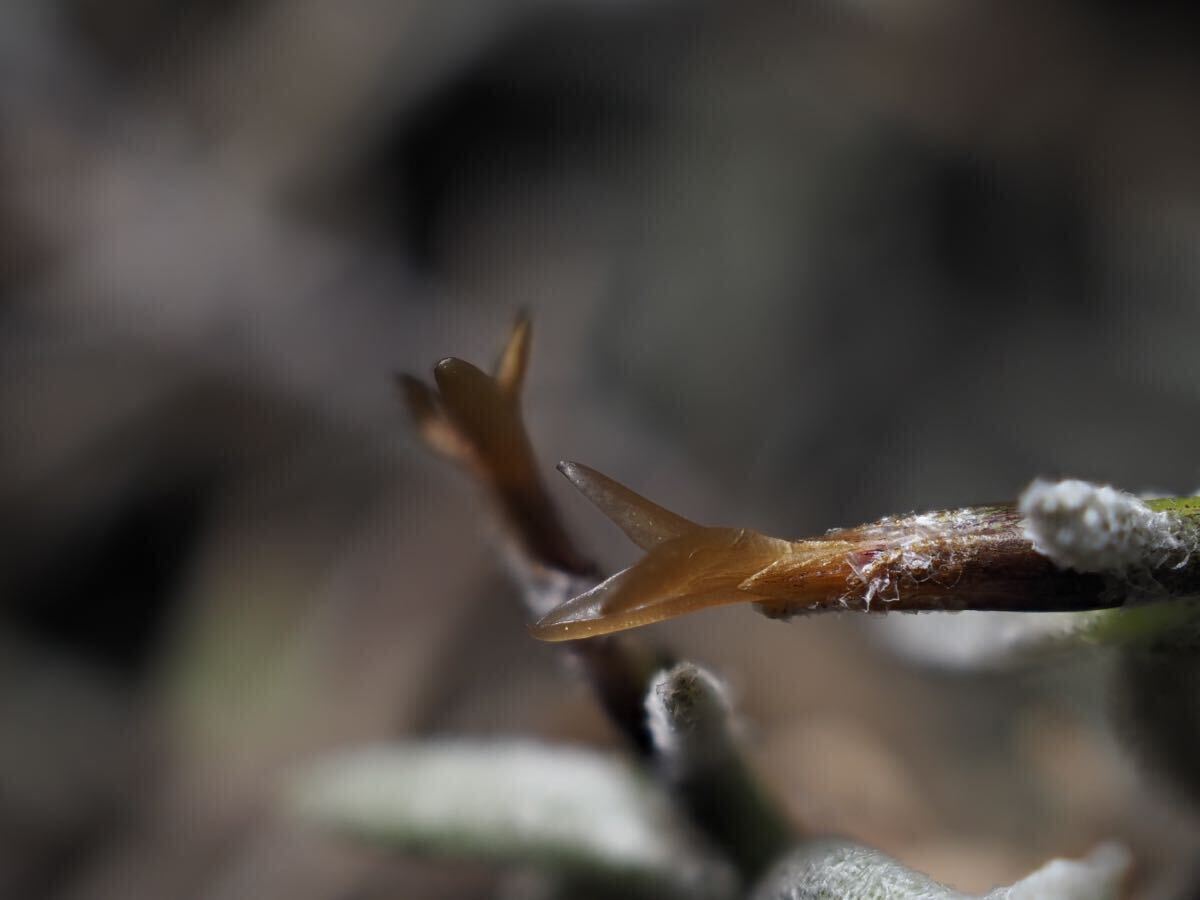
(566, 624)
(514, 358)
(578, 618)
(645, 523)
(585, 615)
(461, 382)
(448, 365)
(522, 330)
(453, 365)
(574, 472)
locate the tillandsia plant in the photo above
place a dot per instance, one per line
(687, 816)
(1066, 546)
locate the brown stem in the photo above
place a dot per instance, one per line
(474, 419)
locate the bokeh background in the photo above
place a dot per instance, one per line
(791, 265)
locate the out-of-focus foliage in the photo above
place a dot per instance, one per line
(832, 870)
(563, 810)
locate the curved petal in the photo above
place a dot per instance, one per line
(700, 569)
(645, 523)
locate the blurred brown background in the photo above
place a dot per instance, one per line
(791, 265)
